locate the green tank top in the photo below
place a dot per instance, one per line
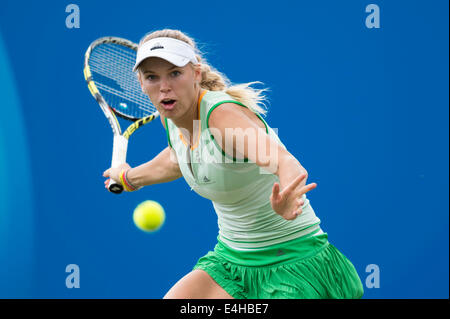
(238, 188)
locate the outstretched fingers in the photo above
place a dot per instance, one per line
(307, 188)
(293, 185)
(275, 191)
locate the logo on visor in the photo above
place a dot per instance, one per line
(157, 46)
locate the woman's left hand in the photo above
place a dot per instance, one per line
(288, 203)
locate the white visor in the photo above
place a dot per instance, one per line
(172, 50)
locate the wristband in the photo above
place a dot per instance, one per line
(125, 183)
(128, 181)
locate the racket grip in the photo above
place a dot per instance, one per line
(120, 145)
(115, 187)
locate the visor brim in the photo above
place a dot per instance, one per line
(175, 59)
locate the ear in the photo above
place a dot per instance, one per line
(140, 80)
(197, 73)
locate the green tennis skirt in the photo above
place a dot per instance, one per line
(304, 268)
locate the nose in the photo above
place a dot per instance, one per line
(164, 85)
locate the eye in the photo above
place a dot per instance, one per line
(175, 73)
(151, 77)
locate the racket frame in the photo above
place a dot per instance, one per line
(120, 141)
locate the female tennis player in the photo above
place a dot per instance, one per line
(270, 244)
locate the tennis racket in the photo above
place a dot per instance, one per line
(108, 70)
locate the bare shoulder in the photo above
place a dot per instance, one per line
(223, 112)
(233, 113)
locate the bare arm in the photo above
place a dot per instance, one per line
(242, 133)
(247, 138)
(161, 169)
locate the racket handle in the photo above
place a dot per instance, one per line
(120, 145)
(115, 187)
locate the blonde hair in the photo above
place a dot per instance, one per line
(214, 80)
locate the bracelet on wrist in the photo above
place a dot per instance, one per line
(128, 181)
(125, 183)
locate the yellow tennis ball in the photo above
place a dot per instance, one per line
(149, 216)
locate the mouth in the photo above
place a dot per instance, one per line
(168, 104)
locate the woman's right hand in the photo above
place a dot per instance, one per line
(113, 173)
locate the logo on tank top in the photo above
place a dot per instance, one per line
(206, 180)
(280, 252)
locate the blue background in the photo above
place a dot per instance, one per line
(364, 110)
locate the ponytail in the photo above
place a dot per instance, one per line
(254, 99)
(213, 80)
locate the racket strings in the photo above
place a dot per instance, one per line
(116, 64)
(111, 67)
